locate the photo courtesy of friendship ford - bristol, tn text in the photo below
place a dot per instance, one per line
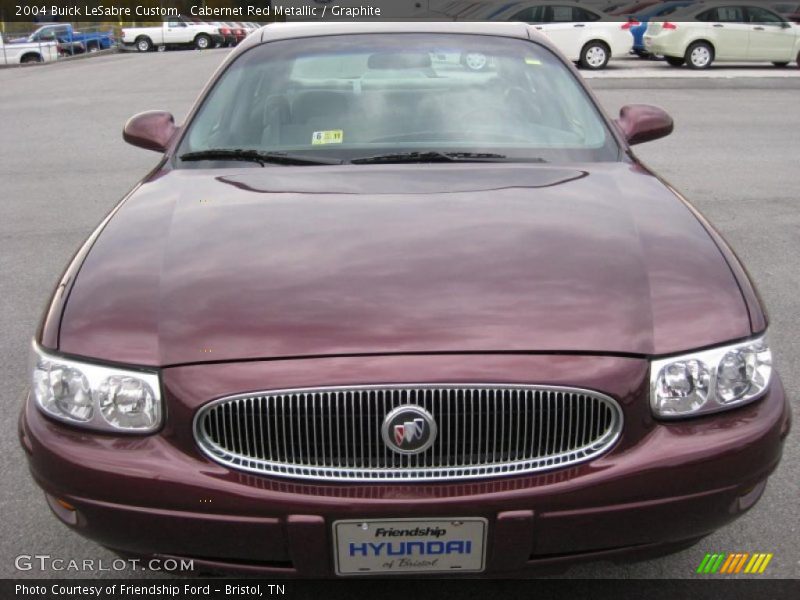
(403, 288)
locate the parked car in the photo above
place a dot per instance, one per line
(177, 32)
(488, 10)
(709, 32)
(642, 18)
(70, 41)
(239, 31)
(357, 320)
(27, 53)
(226, 33)
(585, 35)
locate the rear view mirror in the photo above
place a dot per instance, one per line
(151, 130)
(643, 123)
(399, 60)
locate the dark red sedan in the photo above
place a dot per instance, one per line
(376, 312)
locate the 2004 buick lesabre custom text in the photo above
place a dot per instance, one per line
(377, 311)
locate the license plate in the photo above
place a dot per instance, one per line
(363, 547)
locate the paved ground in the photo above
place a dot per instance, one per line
(63, 165)
(635, 67)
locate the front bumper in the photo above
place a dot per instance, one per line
(663, 485)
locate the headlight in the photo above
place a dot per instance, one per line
(94, 396)
(711, 380)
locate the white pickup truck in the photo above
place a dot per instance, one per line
(172, 33)
(27, 52)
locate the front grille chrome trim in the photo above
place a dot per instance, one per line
(554, 442)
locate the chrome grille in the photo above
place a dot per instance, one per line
(334, 433)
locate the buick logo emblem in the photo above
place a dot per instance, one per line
(409, 429)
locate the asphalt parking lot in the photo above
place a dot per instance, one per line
(63, 165)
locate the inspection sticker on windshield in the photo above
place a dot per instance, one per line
(334, 136)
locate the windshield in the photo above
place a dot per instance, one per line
(364, 96)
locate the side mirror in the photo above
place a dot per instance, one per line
(151, 130)
(643, 123)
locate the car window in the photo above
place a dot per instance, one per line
(729, 14)
(362, 95)
(706, 16)
(561, 14)
(176, 24)
(533, 14)
(667, 10)
(756, 14)
(581, 14)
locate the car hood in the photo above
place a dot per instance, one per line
(211, 265)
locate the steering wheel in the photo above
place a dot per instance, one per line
(522, 103)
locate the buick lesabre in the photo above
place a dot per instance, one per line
(379, 312)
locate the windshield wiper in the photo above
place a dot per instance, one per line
(434, 156)
(262, 158)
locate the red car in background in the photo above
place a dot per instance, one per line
(357, 321)
(239, 31)
(228, 36)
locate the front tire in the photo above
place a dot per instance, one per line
(30, 59)
(202, 42)
(699, 55)
(675, 61)
(143, 44)
(595, 56)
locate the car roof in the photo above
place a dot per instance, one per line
(702, 5)
(515, 8)
(282, 31)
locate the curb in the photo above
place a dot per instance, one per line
(760, 83)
